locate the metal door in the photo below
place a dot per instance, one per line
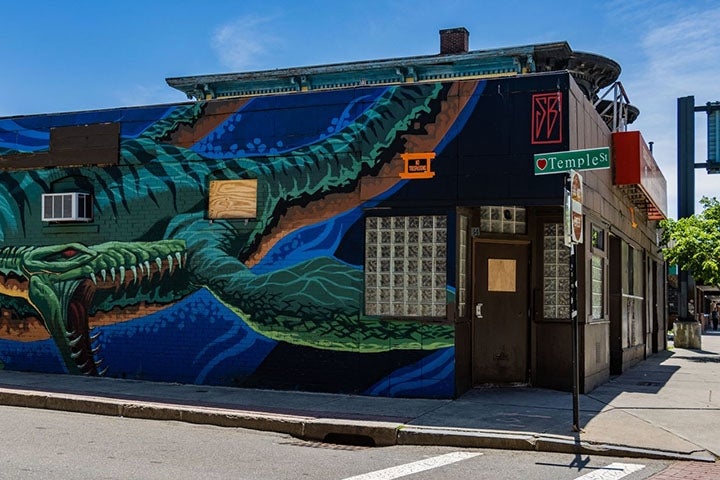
(501, 318)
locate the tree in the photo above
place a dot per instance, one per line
(693, 243)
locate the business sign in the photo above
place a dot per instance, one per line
(417, 165)
(562, 162)
(546, 117)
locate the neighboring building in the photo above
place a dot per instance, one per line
(374, 227)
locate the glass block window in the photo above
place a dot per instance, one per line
(597, 272)
(503, 220)
(462, 266)
(406, 266)
(556, 273)
(598, 286)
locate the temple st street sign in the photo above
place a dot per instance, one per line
(562, 162)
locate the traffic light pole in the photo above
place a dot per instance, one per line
(686, 166)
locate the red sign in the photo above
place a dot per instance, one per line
(635, 166)
(546, 118)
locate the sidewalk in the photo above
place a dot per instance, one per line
(666, 407)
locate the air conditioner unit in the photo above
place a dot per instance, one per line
(67, 207)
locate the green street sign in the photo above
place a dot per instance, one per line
(561, 162)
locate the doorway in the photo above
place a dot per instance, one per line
(501, 312)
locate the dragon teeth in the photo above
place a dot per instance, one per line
(121, 272)
(147, 267)
(93, 278)
(179, 258)
(133, 269)
(170, 263)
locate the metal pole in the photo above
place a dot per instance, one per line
(686, 185)
(575, 349)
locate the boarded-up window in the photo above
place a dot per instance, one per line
(233, 199)
(501, 275)
(76, 145)
(95, 144)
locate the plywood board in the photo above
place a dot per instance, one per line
(233, 199)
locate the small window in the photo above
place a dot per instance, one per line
(598, 238)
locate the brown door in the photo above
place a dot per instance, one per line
(500, 326)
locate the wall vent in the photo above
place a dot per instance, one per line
(66, 207)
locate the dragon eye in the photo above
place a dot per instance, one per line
(62, 255)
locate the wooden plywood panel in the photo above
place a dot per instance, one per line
(19, 161)
(94, 144)
(233, 199)
(501, 275)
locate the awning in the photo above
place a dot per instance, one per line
(638, 175)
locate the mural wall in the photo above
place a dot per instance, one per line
(153, 288)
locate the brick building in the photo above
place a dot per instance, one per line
(392, 227)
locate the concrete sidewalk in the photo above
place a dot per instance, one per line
(666, 407)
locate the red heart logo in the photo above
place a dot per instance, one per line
(541, 163)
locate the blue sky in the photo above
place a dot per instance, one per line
(89, 54)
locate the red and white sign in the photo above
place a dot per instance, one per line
(573, 210)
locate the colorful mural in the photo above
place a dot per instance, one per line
(152, 289)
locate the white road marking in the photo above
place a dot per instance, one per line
(415, 467)
(614, 471)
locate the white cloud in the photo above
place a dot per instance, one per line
(681, 48)
(241, 43)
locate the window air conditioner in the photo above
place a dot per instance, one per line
(66, 207)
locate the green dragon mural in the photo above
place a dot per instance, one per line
(160, 189)
(60, 283)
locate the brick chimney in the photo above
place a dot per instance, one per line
(454, 40)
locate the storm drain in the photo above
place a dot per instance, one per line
(327, 445)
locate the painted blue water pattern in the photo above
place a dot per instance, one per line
(32, 133)
(41, 356)
(433, 376)
(275, 125)
(218, 348)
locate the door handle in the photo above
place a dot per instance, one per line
(478, 310)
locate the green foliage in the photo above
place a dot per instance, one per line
(693, 243)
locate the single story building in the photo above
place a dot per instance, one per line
(393, 227)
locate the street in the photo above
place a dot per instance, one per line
(41, 444)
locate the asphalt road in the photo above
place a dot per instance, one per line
(42, 444)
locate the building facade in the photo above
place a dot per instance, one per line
(383, 228)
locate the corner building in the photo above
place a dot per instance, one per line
(383, 228)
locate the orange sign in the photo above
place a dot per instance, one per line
(417, 165)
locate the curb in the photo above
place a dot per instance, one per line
(380, 434)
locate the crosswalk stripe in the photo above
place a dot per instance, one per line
(614, 471)
(415, 467)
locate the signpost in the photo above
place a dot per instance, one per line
(569, 163)
(574, 235)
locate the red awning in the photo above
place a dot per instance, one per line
(638, 175)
